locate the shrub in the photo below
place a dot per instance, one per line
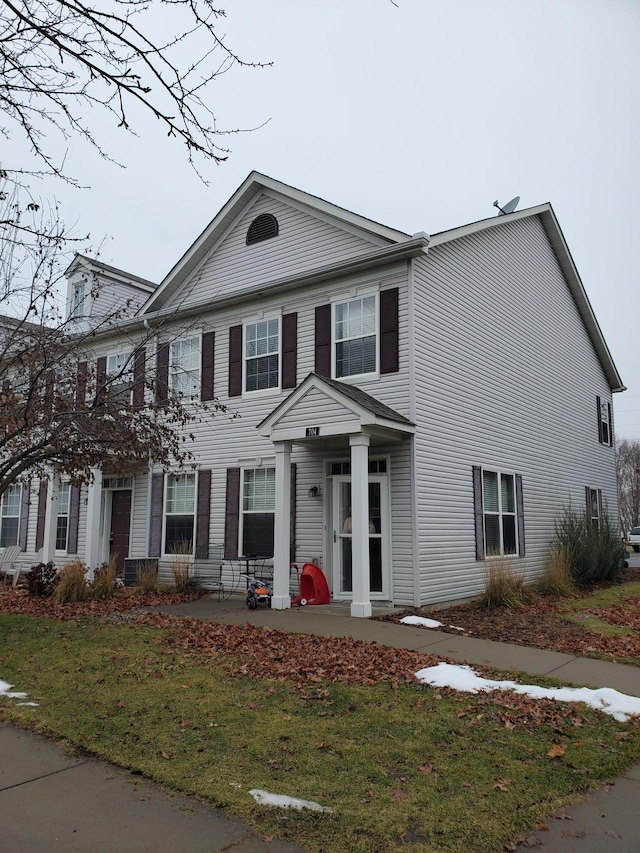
(557, 579)
(42, 579)
(596, 552)
(503, 585)
(72, 585)
(105, 581)
(147, 579)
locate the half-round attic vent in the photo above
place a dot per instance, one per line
(263, 227)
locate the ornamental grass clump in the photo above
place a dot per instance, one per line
(181, 562)
(72, 584)
(105, 582)
(557, 579)
(503, 584)
(593, 546)
(147, 579)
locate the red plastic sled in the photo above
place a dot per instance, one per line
(313, 586)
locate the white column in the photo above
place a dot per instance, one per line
(361, 601)
(93, 550)
(51, 520)
(281, 599)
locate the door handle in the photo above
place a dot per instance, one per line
(335, 538)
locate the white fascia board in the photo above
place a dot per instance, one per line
(82, 264)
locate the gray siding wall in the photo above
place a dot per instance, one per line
(304, 242)
(506, 378)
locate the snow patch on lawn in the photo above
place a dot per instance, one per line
(5, 690)
(264, 798)
(618, 705)
(423, 622)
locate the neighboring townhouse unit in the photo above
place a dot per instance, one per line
(399, 407)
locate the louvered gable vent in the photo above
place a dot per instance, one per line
(263, 227)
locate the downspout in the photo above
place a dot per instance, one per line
(411, 333)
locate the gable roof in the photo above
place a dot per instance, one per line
(249, 190)
(556, 238)
(369, 412)
(82, 263)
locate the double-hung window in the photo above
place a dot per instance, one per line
(78, 301)
(258, 507)
(605, 433)
(355, 338)
(594, 507)
(499, 510)
(262, 355)
(179, 513)
(10, 516)
(184, 367)
(62, 524)
(120, 377)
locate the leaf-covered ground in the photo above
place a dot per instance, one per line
(600, 621)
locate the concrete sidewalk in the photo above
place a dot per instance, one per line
(49, 801)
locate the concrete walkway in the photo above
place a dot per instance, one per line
(67, 804)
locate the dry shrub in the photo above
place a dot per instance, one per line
(72, 584)
(147, 579)
(503, 584)
(557, 579)
(105, 581)
(181, 562)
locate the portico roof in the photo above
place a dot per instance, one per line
(320, 407)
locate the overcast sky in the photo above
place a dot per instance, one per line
(417, 115)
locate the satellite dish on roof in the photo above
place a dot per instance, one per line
(509, 207)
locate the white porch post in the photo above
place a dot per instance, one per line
(51, 521)
(361, 601)
(281, 599)
(93, 554)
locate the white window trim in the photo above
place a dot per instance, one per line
(125, 372)
(168, 554)
(597, 518)
(341, 299)
(87, 300)
(500, 472)
(63, 551)
(3, 516)
(264, 464)
(252, 321)
(195, 336)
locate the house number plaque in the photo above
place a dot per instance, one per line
(311, 431)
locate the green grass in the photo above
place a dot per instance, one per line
(606, 597)
(410, 764)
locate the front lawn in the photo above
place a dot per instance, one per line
(216, 711)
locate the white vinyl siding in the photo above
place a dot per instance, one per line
(516, 387)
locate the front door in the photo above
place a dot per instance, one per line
(120, 527)
(378, 537)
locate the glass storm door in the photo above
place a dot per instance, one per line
(378, 536)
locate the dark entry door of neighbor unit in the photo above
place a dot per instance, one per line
(120, 527)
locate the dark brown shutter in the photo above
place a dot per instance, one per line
(290, 350)
(477, 512)
(520, 511)
(610, 424)
(162, 376)
(139, 369)
(157, 499)
(25, 502)
(323, 340)
(81, 385)
(292, 529)
(600, 506)
(203, 514)
(389, 324)
(74, 519)
(587, 494)
(101, 378)
(232, 515)
(42, 509)
(206, 376)
(598, 407)
(235, 361)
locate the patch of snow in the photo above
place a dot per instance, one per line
(618, 705)
(5, 690)
(264, 798)
(423, 622)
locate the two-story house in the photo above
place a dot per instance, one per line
(404, 406)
